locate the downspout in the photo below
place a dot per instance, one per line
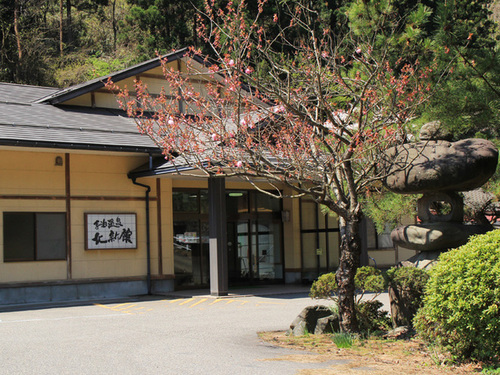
(148, 238)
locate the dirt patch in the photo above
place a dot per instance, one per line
(372, 356)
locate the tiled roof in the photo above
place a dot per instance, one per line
(14, 93)
(25, 123)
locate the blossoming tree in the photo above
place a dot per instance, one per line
(304, 107)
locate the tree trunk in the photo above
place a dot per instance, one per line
(350, 248)
(16, 31)
(61, 6)
(115, 28)
(69, 24)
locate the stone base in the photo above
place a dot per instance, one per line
(435, 236)
(423, 260)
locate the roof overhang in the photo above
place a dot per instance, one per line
(98, 83)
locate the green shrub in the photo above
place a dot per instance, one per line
(367, 279)
(370, 318)
(461, 305)
(410, 279)
(406, 289)
(325, 287)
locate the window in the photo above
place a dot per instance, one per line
(29, 236)
(376, 240)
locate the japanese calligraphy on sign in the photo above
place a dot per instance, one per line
(111, 231)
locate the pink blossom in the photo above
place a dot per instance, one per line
(248, 70)
(239, 164)
(243, 122)
(214, 137)
(231, 62)
(278, 109)
(358, 51)
(171, 121)
(275, 18)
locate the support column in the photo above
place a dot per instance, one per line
(218, 236)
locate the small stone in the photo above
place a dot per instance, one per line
(400, 333)
(434, 131)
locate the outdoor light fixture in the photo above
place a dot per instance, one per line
(59, 161)
(235, 194)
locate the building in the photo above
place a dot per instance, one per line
(89, 209)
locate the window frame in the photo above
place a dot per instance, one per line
(36, 257)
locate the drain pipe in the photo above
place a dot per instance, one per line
(148, 241)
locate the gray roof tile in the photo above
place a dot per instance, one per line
(79, 127)
(14, 93)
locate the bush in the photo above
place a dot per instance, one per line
(406, 289)
(370, 318)
(325, 287)
(461, 305)
(367, 279)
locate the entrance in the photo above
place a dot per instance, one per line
(254, 251)
(254, 238)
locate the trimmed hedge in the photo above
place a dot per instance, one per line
(461, 304)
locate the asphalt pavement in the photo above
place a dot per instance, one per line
(183, 333)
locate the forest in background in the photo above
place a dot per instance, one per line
(66, 42)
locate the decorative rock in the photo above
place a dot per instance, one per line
(433, 131)
(428, 207)
(327, 324)
(400, 333)
(435, 236)
(439, 166)
(306, 321)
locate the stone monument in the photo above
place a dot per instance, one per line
(438, 169)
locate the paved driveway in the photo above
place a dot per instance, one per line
(196, 335)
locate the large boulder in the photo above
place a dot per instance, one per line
(307, 320)
(430, 166)
(328, 324)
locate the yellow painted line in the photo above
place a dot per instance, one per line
(126, 307)
(229, 301)
(216, 301)
(197, 303)
(186, 301)
(122, 304)
(243, 302)
(103, 306)
(176, 300)
(139, 308)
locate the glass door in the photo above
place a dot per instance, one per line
(239, 252)
(266, 249)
